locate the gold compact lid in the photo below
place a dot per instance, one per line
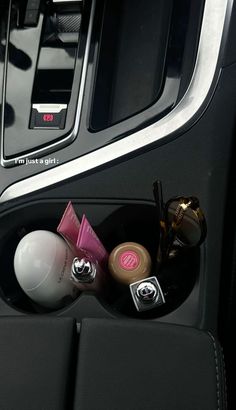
(129, 262)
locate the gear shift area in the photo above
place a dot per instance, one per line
(43, 59)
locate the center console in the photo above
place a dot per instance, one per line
(90, 92)
(99, 99)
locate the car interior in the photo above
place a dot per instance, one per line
(117, 195)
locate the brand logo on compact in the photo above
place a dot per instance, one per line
(129, 260)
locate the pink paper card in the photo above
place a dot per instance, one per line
(69, 225)
(89, 241)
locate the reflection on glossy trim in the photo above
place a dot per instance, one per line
(214, 18)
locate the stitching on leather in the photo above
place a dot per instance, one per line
(225, 379)
(217, 371)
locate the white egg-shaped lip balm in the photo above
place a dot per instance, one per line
(42, 264)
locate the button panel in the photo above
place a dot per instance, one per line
(48, 116)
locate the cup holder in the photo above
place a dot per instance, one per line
(114, 222)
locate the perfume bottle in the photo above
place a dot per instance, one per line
(86, 274)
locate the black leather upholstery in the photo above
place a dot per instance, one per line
(36, 363)
(133, 365)
(122, 365)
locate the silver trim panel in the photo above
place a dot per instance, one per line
(212, 30)
(51, 108)
(69, 138)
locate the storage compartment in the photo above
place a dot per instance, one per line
(114, 222)
(53, 86)
(146, 56)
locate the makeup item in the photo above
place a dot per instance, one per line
(69, 226)
(129, 262)
(42, 265)
(147, 294)
(81, 236)
(86, 274)
(86, 246)
(89, 241)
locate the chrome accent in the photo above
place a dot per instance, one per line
(63, 142)
(147, 294)
(52, 108)
(216, 14)
(83, 271)
(78, 327)
(4, 86)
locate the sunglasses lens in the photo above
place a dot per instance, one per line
(190, 230)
